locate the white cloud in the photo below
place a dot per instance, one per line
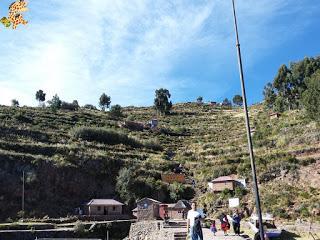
(79, 49)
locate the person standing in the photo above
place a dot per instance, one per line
(213, 227)
(236, 218)
(225, 225)
(194, 223)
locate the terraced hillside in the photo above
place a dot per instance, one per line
(63, 171)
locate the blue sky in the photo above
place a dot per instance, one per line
(127, 49)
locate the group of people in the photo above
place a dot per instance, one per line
(194, 223)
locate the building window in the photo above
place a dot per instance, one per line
(99, 208)
(113, 208)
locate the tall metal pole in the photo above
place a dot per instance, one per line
(22, 207)
(245, 108)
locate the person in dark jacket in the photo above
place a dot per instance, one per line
(236, 218)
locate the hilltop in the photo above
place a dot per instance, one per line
(63, 170)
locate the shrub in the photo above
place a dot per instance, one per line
(111, 137)
(107, 136)
(116, 111)
(152, 144)
(79, 228)
(90, 107)
(74, 106)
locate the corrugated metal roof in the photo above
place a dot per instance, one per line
(183, 204)
(223, 179)
(104, 202)
(151, 199)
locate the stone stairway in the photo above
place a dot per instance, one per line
(180, 236)
(177, 224)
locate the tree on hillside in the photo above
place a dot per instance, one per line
(288, 86)
(237, 100)
(55, 103)
(311, 97)
(125, 184)
(161, 101)
(104, 101)
(116, 111)
(269, 95)
(199, 99)
(14, 103)
(226, 102)
(40, 96)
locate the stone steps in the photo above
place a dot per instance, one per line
(180, 236)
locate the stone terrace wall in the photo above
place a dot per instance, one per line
(149, 230)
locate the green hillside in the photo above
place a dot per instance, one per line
(63, 170)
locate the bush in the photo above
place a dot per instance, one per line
(79, 228)
(111, 137)
(90, 107)
(152, 144)
(116, 111)
(74, 106)
(103, 135)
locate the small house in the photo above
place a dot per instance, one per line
(153, 123)
(147, 209)
(177, 211)
(104, 207)
(226, 182)
(221, 183)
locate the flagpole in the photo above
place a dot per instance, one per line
(245, 109)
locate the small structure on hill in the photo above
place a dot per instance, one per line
(226, 182)
(104, 207)
(274, 115)
(153, 123)
(134, 126)
(147, 209)
(176, 211)
(173, 177)
(221, 183)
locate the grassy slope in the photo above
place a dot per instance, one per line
(212, 143)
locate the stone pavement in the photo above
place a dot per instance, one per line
(207, 235)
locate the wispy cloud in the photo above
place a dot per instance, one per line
(79, 49)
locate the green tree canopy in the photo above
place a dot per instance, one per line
(269, 95)
(55, 103)
(104, 101)
(161, 101)
(311, 97)
(116, 111)
(40, 96)
(199, 99)
(237, 100)
(289, 84)
(14, 103)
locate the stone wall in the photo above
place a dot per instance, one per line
(149, 230)
(145, 230)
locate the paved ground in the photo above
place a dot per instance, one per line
(219, 236)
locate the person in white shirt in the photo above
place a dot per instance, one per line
(194, 223)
